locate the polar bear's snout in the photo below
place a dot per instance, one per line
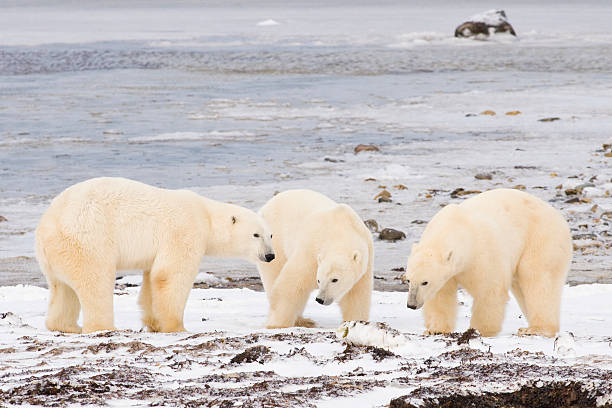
(324, 300)
(413, 302)
(269, 257)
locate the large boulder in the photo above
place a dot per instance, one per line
(483, 24)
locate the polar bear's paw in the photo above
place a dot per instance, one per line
(304, 322)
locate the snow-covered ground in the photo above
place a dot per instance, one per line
(227, 357)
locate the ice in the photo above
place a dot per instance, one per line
(266, 23)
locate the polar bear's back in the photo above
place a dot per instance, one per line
(130, 217)
(518, 220)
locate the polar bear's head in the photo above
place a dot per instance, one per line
(338, 271)
(248, 236)
(426, 272)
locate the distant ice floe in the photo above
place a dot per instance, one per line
(214, 135)
(266, 23)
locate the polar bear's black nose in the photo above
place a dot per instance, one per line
(269, 257)
(411, 307)
(320, 301)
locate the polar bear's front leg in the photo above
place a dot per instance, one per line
(289, 295)
(170, 287)
(97, 300)
(488, 312)
(355, 305)
(440, 312)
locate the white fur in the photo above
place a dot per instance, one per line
(100, 225)
(497, 241)
(316, 241)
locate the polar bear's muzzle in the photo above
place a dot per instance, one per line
(269, 257)
(413, 302)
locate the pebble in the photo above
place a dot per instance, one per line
(366, 148)
(459, 192)
(548, 119)
(382, 194)
(372, 225)
(384, 200)
(483, 176)
(390, 234)
(488, 112)
(513, 113)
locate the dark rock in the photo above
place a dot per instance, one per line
(483, 24)
(467, 336)
(573, 200)
(384, 200)
(469, 115)
(372, 225)
(2, 219)
(459, 192)
(419, 222)
(390, 234)
(548, 119)
(329, 159)
(366, 148)
(484, 176)
(253, 354)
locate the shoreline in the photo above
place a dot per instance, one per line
(24, 270)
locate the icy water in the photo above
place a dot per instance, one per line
(237, 102)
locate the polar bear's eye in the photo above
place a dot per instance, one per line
(424, 283)
(256, 235)
(270, 236)
(334, 280)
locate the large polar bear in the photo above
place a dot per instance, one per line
(100, 225)
(498, 240)
(318, 243)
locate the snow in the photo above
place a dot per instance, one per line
(223, 322)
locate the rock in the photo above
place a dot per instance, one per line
(2, 219)
(549, 119)
(469, 115)
(573, 200)
(372, 225)
(390, 234)
(484, 176)
(419, 222)
(257, 354)
(400, 187)
(485, 23)
(553, 174)
(488, 112)
(366, 148)
(459, 192)
(571, 191)
(384, 200)
(370, 179)
(519, 187)
(609, 154)
(329, 159)
(513, 113)
(382, 194)
(382, 186)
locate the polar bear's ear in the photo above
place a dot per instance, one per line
(233, 219)
(449, 256)
(356, 256)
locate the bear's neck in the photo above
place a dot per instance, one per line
(217, 237)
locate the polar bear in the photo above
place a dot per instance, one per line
(318, 243)
(93, 228)
(498, 240)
